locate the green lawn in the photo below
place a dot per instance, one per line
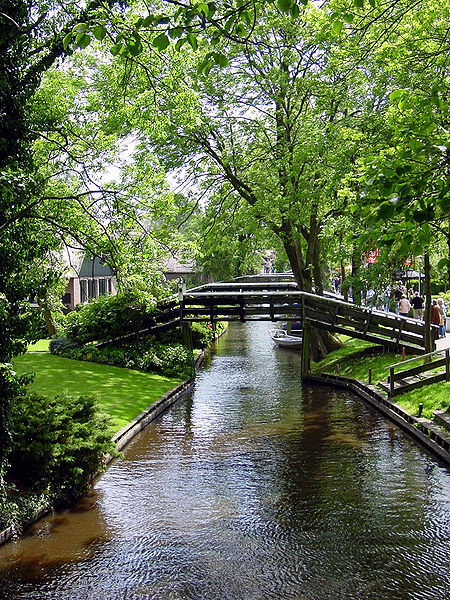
(122, 393)
(39, 346)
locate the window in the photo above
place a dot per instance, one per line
(83, 290)
(91, 289)
(101, 287)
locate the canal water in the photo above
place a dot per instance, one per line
(254, 487)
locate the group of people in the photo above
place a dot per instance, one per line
(439, 315)
(407, 299)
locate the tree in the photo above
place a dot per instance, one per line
(264, 132)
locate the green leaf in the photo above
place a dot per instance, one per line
(180, 43)
(396, 94)
(203, 8)
(295, 11)
(221, 59)
(304, 2)
(372, 3)
(192, 39)
(134, 48)
(116, 49)
(246, 16)
(443, 263)
(161, 42)
(80, 28)
(348, 18)
(337, 27)
(99, 32)
(385, 210)
(358, 3)
(284, 5)
(66, 41)
(83, 40)
(176, 32)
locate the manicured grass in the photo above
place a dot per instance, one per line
(39, 346)
(433, 397)
(122, 393)
(348, 362)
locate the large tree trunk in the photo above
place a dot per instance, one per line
(322, 342)
(48, 317)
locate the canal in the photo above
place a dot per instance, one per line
(254, 487)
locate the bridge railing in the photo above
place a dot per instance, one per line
(265, 301)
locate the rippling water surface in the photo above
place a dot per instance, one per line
(252, 488)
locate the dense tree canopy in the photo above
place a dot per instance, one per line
(320, 127)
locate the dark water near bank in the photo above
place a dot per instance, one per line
(253, 488)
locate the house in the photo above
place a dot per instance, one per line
(173, 268)
(89, 278)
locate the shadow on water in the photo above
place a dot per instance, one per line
(252, 487)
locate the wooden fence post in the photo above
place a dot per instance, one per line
(391, 381)
(447, 365)
(304, 369)
(187, 336)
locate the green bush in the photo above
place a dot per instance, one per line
(172, 360)
(58, 444)
(109, 316)
(61, 344)
(202, 334)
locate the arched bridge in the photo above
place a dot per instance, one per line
(257, 300)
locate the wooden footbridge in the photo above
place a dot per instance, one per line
(258, 300)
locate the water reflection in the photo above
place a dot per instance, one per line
(254, 487)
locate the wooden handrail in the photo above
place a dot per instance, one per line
(420, 357)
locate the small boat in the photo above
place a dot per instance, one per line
(285, 340)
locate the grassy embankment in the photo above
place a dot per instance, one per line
(349, 362)
(121, 393)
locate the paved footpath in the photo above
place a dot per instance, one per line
(443, 343)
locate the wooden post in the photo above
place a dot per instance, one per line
(187, 336)
(391, 381)
(305, 349)
(447, 365)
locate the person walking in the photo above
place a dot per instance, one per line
(435, 319)
(397, 294)
(404, 306)
(443, 310)
(417, 303)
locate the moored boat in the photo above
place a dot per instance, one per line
(285, 340)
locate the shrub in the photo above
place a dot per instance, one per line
(108, 317)
(61, 345)
(202, 334)
(172, 361)
(58, 444)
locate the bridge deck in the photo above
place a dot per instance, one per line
(258, 301)
(283, 301)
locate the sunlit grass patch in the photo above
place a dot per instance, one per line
(39, 346)
(122, 393)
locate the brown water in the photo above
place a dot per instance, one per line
(252, 488)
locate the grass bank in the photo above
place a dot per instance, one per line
(356, 358)
(121, 393)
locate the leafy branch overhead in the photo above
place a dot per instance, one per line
(187, 23)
